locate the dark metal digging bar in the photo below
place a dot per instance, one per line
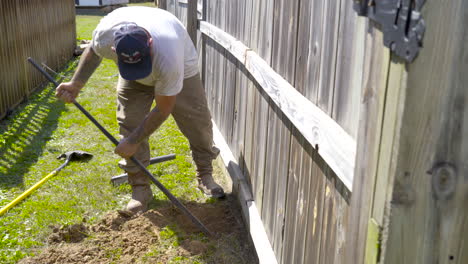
(171, 197)
(123, 178)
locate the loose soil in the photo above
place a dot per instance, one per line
(160, 235)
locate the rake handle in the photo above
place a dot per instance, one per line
(31, 189)
(169, 195)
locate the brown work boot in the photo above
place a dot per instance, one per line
(208, 186)
(141, 192)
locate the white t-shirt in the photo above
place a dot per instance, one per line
(175, 56)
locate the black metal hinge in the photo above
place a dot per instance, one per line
(402, 24)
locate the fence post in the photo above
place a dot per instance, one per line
(161, 4)
(192, 20)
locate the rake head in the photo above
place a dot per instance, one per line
(75, 155)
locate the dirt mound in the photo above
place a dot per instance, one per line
(72, 234)
(156, 236)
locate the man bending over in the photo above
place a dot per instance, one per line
(157, 61)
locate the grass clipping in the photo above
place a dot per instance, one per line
(162, 235)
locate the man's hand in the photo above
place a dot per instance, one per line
(68, 91)
(129, 145)
(125, 149)
(89, 61)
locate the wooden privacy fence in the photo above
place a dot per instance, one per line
(291, 128)
(340, 151)
(42, 29)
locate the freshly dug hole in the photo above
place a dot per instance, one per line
(157, 236)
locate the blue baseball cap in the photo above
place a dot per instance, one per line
(132, 46)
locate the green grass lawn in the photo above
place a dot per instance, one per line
(41, 129)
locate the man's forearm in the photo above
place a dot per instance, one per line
(89, 62)
(151, 122)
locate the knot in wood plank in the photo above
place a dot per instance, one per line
(444, 179)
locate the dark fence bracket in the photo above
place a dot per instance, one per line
(401, 21)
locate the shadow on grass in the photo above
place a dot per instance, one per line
(24, 134)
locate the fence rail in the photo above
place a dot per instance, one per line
(44, 30)
(334, 144)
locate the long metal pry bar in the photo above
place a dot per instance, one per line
(171, 197)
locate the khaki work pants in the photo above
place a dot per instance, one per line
(190, 112)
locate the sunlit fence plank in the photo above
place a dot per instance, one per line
(44, 30)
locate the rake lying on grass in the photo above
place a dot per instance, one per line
(69, 156)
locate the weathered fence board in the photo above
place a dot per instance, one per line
(276, 175)
(309, 53)
(265, 31)
(315, 214)
(208, 47)
(285, 39)
(241, 91)
(255, 26)
(374, 83)
(171, 6)
(48, 35)
(240, 113)
(192, 20)
(259, 117)
(240, 32)
(305, 50)
(199, 45)
(249, 21)
(229, 101)
(339, 221)
(390, 129)
(297, 203)
(181, 10)
(260, 144)
(328, 228)
(428, 220)
(330, 26)
(249, 143)
(249, 139)
(349, 65)
(220, 66)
